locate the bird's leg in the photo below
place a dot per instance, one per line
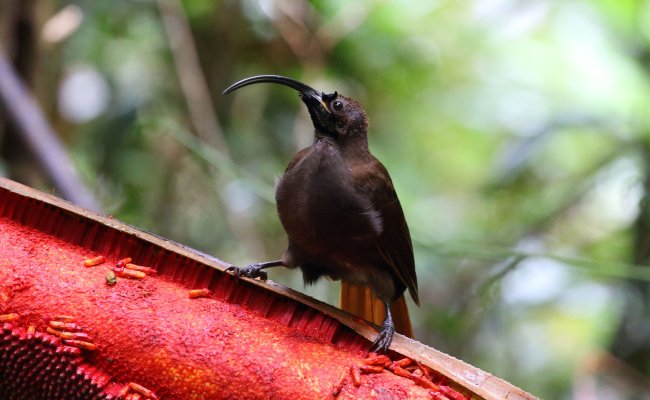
(255, 270)
(386, 331)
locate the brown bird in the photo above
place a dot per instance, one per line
(341, 214)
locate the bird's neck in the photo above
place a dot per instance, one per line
(349, 147)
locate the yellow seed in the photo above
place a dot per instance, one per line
(141, 389)
(129, 273)
(141, 268)
(9, 317)
(91, 262)
(53, 331)
(81, 344)
(64, 318)
(68, 326)
(196, 293)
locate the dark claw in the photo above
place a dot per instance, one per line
(252, 271)
(384, 338)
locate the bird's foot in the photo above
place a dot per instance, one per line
(252, 271)
(384, 337)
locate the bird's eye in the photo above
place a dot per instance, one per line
(337, 105)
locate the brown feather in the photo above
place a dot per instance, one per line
(342, 216)
(394, 243)
(360, 301)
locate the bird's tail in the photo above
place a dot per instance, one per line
(360, 301)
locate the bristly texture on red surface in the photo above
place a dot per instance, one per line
(146, 338)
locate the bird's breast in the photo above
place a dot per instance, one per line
(320, 206)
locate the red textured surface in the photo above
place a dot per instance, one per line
(239, 343)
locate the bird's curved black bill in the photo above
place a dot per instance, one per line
(304, 90)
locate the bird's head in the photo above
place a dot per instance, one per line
(333, 115)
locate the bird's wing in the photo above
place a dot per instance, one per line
(394, 242)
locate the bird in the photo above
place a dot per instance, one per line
(343, 219)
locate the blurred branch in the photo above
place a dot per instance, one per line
(580, 187)
(352, 15)
(190, 75)
(516, 157)
(508, 260)
(40, 137)
(630, 343)
(312, 46)
(607, 269)
(504, 269)
(602, 370)
(224, 164)
(202, 113)
(291, 26)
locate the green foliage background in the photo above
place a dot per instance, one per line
(515, 133)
